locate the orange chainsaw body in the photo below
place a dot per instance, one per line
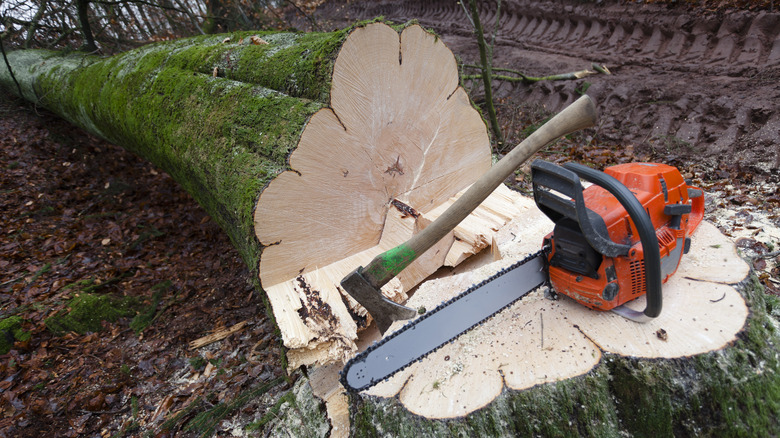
(601, 282)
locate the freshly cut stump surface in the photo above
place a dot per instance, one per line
(538, 340)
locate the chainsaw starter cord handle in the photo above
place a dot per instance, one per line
(644, 227)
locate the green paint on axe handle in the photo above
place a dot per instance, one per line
(393, 261)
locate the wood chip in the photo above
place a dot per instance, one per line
(256, 40)
(216, 336)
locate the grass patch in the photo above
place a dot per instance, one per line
(146, 316)
(272, 412)
(46, 268)
(198, 363)
(205, 423)
(79, 284)
(148, 233)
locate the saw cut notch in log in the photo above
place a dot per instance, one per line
(399, 140)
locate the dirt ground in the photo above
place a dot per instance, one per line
(693, 87)
(687, 83)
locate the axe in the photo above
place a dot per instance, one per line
(364, 283)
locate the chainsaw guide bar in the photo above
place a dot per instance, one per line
(465, 311)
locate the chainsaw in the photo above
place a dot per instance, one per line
(618, 239)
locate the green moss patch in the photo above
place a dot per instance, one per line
(10, 332)
(145, 317)
(86, 313)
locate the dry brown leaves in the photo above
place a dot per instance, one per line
(81, 214)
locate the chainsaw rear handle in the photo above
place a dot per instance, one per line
(566, 180)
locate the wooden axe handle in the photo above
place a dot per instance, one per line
(579, 115)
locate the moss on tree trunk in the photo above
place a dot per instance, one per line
(220, 116)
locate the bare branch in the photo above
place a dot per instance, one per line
(142, 2)
(191, 17)
(468, 15)
(487, 73)
(34, 24)
(314, 24)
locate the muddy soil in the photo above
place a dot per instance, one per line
(687, 84)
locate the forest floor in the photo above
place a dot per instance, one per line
(109, 270)
(84, 220)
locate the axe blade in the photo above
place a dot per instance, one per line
(381, 309)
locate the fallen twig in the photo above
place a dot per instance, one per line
(522, 77)
(216, 336)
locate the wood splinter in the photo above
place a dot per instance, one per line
(216, 336)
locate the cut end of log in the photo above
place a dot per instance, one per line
(399, 142)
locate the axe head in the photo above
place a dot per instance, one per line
(380, 308)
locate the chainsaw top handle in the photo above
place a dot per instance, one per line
(566, 181)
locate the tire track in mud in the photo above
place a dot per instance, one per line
(687, 85)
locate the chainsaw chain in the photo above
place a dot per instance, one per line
(441, 306)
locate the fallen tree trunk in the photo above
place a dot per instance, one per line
(316, 152)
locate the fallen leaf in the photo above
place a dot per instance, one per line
(256, 40)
